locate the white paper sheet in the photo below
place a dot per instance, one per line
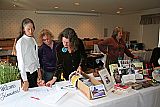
(54, 97)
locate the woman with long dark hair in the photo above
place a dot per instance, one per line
(27, 55)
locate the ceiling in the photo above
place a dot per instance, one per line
(100, 6)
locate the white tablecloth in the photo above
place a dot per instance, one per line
(148, 97)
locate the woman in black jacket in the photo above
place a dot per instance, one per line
(70, 53)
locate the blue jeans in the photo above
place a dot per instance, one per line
(47, 76)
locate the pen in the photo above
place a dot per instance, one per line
(35, 98)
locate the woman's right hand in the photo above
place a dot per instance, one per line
(51, 82)
(25, 86)
(40, 82)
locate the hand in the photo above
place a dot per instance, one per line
(156, 68)
(25, 85)
(40, 82)
(49, 83)
(79, 70)
(136, 57)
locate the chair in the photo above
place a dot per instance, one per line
(103, 59)
(155, 56)
(96, 49)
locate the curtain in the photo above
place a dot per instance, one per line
(150, 19)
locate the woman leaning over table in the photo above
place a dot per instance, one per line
(47, 57)
(115, 47)
(27, 55)
(71, 53)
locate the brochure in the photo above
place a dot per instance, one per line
(97, 91)
(106, 78)
(116, 77)
(128, 78)
(124, 63)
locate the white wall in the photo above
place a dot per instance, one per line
(128, 22)
(85, 26)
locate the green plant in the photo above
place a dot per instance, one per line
(8, 73)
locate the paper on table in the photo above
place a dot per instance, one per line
(64, 85)
(54, 97)
(106, 78)
(128, 78)
(37, 93)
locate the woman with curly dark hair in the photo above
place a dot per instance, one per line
(70, 53)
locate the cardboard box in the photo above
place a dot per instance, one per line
(91, 92)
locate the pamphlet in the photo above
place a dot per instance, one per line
(116, 77)
(125, 63)
(128, 78)
(106, 78)
(97, 91)
(138, 65)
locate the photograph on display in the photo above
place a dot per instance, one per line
(113, 68)
(137, 67)
(124, 63)
(124, 71)
(106, 78)
(97, 91)
(116, 77)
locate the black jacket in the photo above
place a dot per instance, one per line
(69, 62)
(47, 57)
